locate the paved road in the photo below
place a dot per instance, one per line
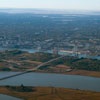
(31, 70)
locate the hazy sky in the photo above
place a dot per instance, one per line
(54, 4)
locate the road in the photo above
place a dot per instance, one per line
(34, 69)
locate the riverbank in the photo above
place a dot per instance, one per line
(72, 72)
(63, 69)
(77, 72)
(51, 93)
(19, 61)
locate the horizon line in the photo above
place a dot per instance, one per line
(51, 9)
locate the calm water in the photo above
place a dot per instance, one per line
(56, 80)
(5, 97)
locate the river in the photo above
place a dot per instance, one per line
(55, 80)
(6, 97)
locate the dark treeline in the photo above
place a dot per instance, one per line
(81, 63)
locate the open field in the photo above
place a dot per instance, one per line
(51, 93)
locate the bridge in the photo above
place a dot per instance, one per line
(34, 69)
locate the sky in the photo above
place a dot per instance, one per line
(52, 4)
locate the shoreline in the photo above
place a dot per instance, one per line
(78, 73)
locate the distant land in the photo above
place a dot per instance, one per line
(48, 11)
(45, 29)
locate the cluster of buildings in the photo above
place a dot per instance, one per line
(66, 44)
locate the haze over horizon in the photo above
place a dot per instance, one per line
(52, 4)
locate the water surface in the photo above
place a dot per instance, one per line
(55, 80)
(6, 97)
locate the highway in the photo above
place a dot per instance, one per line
(34, 69)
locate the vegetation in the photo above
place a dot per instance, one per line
(82, 63)
(78, 63)
(5, 69)
(21, 88)
(13, 52)
(17, 60)
(51, 93)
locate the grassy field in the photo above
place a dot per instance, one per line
(51, 93)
